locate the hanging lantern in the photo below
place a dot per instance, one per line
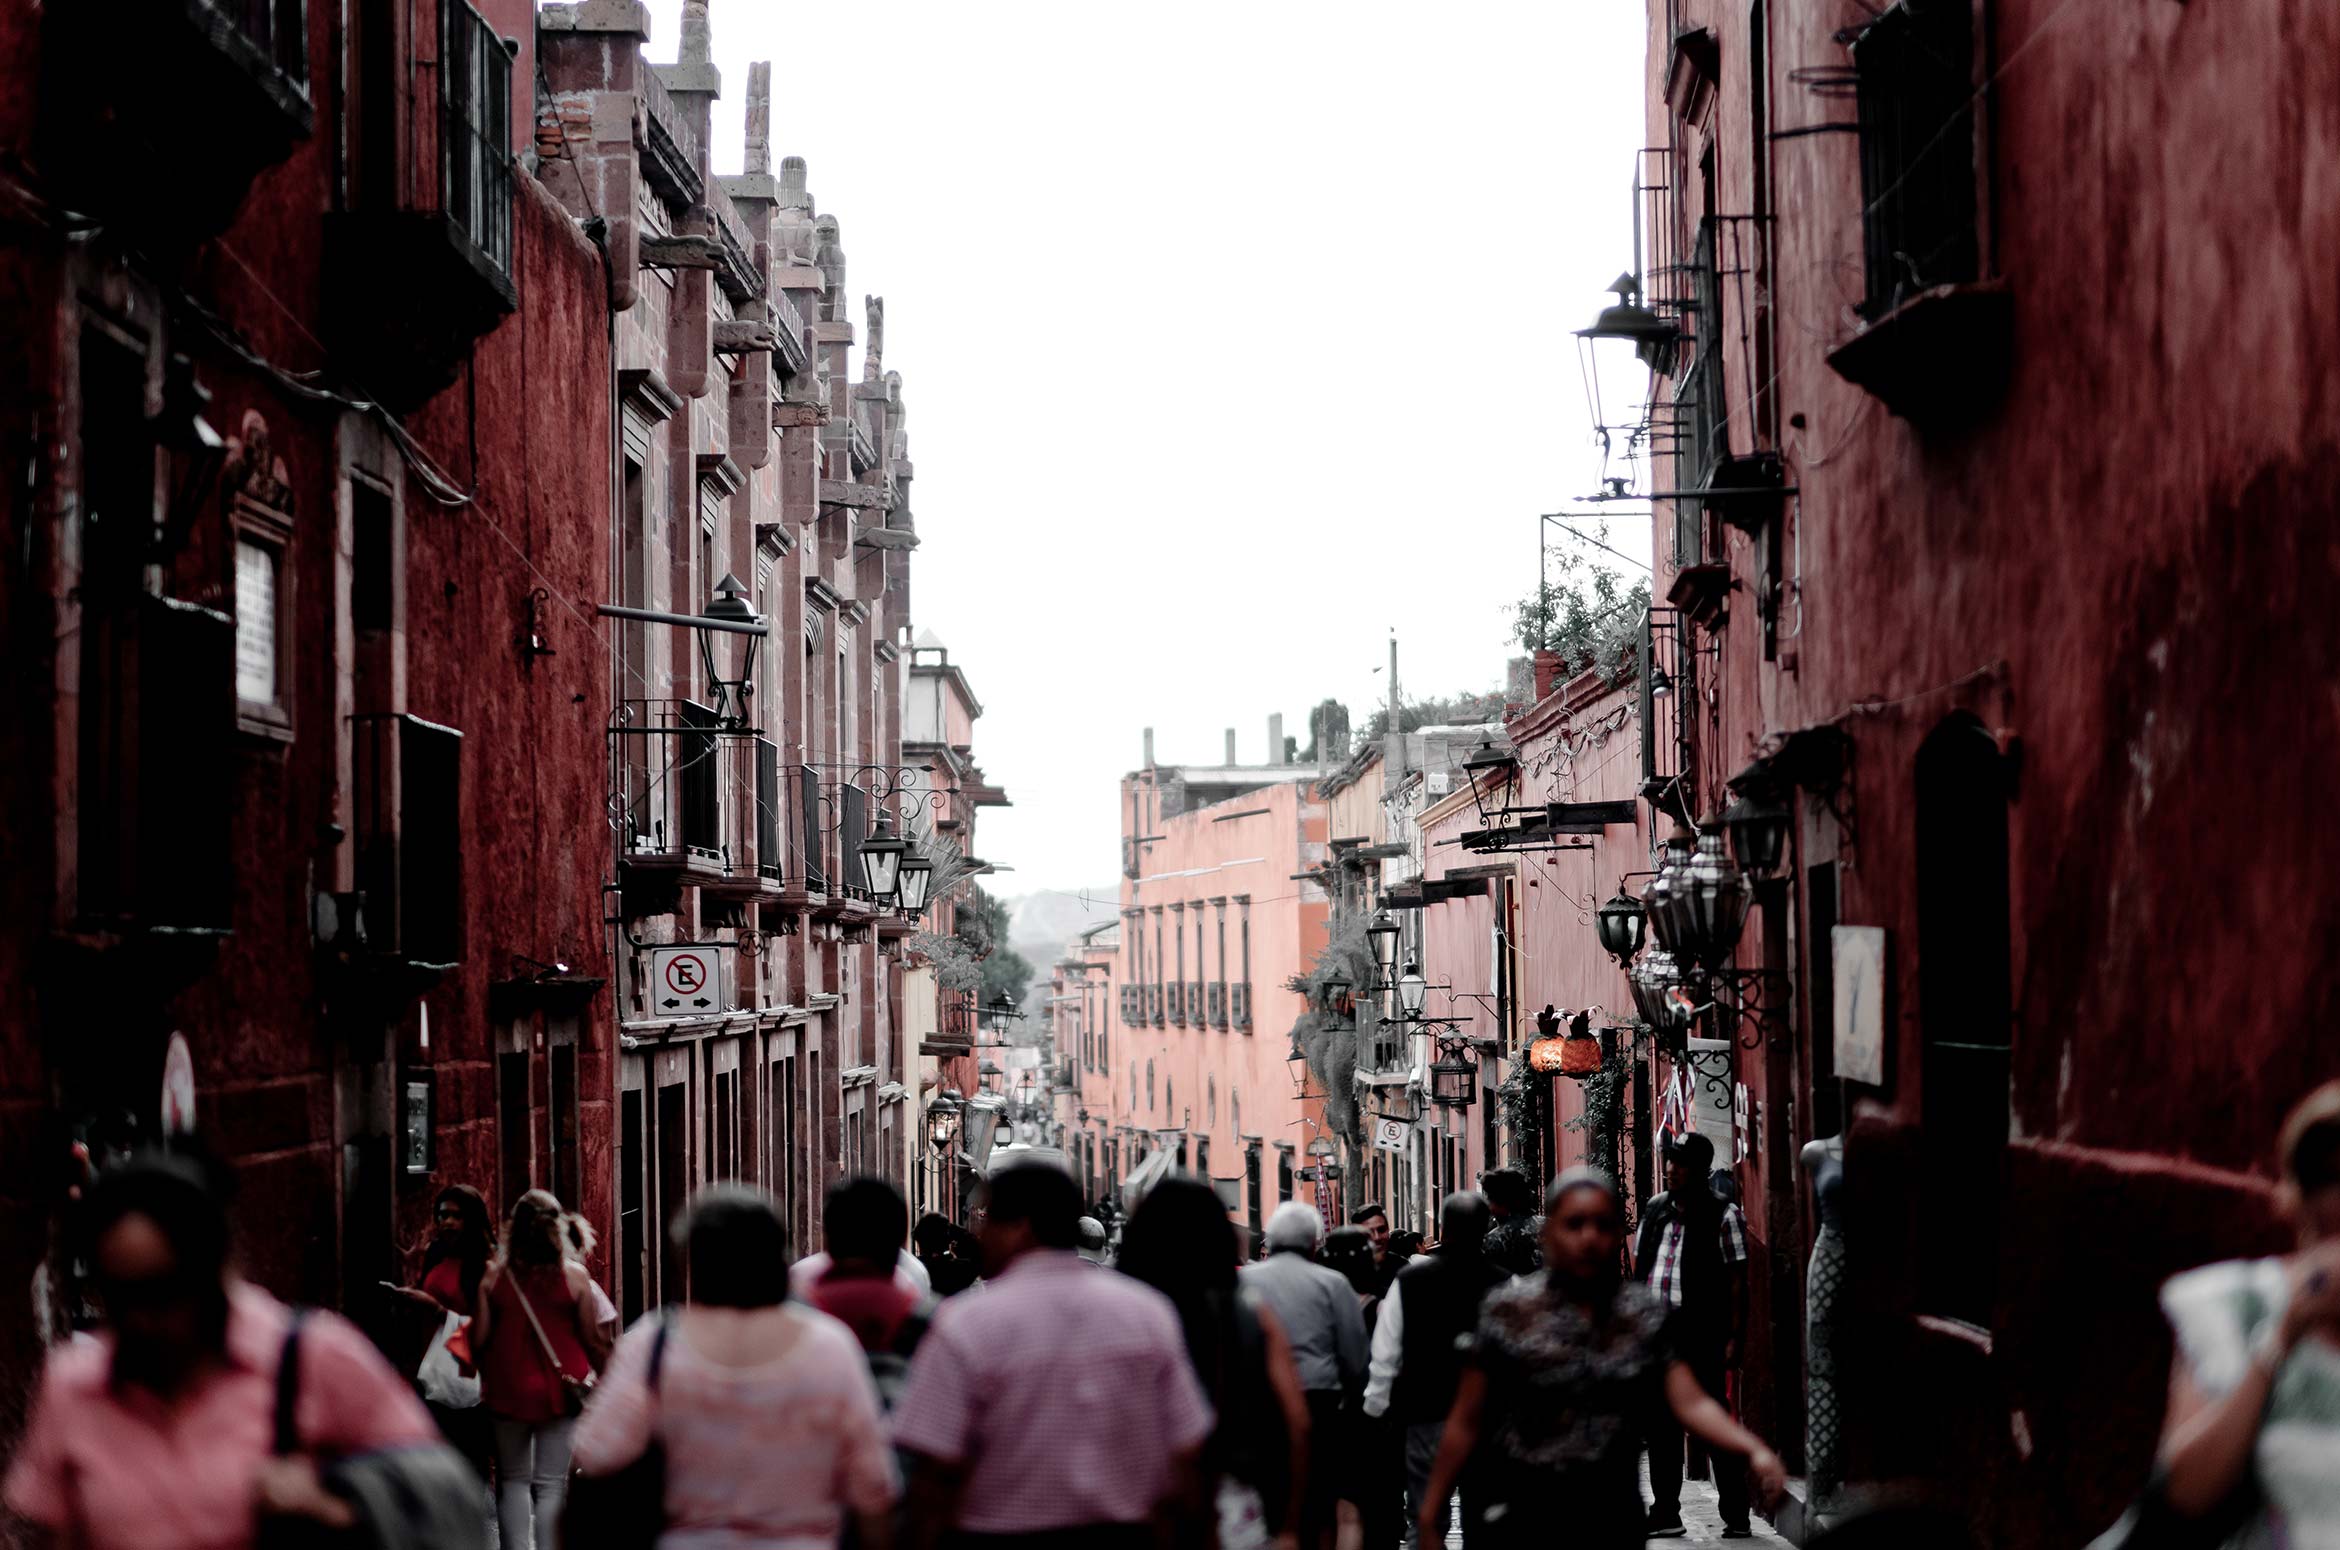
(881, 861)
(1652, 979)
(1454, 1082)
(1336, 993)
(1383, 934)
(1661, 899)
(1712, 904)
(1758, 826)
(917, 873)
(1621, 926)
(1412, 989)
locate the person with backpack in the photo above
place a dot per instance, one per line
(1421, 1345)
(761, 1408)
(864, 1220)
(1180, 1242)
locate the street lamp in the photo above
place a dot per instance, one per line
(1758, 825)
(1662, 898)
(1454, 1081)
(1652, 981)
(942, 1124)
(1627, 319)
(1621, 926)
(1383, 934)
(1712, 904)
(881, 861)
(728, 613)
(916, 873)
(1411, 989)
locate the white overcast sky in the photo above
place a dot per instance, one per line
(1234, 335)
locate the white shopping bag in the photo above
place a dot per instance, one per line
(443, 1383)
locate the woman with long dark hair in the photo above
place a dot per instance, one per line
(1180, 1242)
(1570, 1363)
(542, 1329)
(463, 1241)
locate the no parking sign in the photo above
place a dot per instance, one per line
(684, 981)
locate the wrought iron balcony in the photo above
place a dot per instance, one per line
(158, 114)
(697, 802)
(412, 281)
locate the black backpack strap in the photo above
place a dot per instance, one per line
(288, 1386)
(658, 1350)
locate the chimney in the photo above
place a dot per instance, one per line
(1149, 748)
(1276, 738)
(1230, 747)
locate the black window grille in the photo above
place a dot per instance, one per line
(770, 800)
(1915, 69)
(853, 828)
(475, 131)
(808, 810)
(700, 773)
(279, 29)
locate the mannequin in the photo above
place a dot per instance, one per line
(1823, 1163)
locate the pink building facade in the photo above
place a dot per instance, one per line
(1220, 908)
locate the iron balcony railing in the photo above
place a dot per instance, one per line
(475, 130)
(695, 795)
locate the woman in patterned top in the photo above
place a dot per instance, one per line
(1571, 1365)
(2253, 1428)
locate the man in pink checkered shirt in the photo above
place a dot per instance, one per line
(1055, 1406)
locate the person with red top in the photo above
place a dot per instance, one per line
(542, 1329)
(463, 1240)
(159, 1432)
(864, 1221)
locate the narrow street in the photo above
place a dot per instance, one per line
(1587, 737)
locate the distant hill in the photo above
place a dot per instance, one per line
(1042, 925)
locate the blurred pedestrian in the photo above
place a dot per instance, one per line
(1093, 1247)
(908, 1269)
(1371, 1489)
(1513, 1239)
(946, 1253)
(542, 1330)
(2252, 1431)
(160, 1432)
(1693, 1254)
(1405, 1245)
(1419, 1347)
(763, 1408)
(1373, 1217)
(1319, 1311)
(864, 1220)
(1566, 1366)
(1180, 1243)
(1057, 1410)
(463, 1240)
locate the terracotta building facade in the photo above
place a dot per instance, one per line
(1981, 544)
(360, 823)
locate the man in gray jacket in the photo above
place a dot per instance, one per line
(1323, 1321)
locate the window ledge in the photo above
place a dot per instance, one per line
(1941, 355)
(271, 724)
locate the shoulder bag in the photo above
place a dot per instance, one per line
(626, 1509)
(574, 1391)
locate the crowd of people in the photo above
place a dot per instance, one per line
(935, 1386)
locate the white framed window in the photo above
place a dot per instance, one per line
(262, 579)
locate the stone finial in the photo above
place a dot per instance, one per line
(693, 70)
(792, 184)
(759, 117)
(873, 344)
